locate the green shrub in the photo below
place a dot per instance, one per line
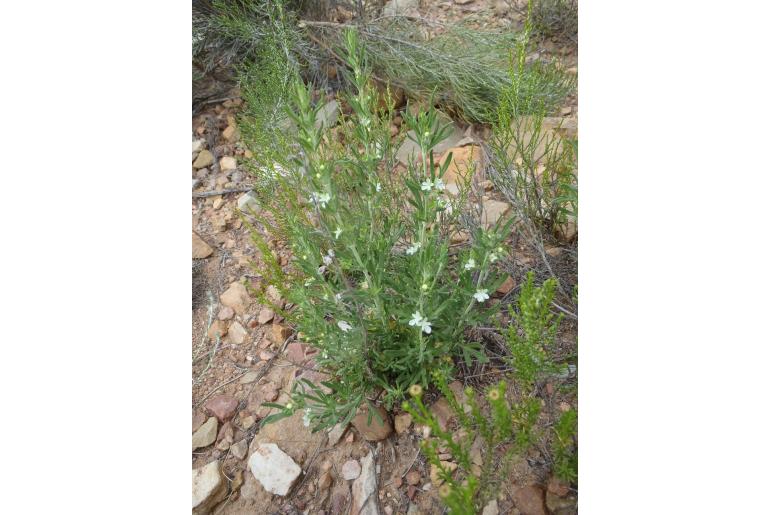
(556, 19)
(500, 425)
(375, 287)
(565, 460)
(533, 166)
(532, 331)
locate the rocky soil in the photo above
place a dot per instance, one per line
(244, 355)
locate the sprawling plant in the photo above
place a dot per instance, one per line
(376, 288)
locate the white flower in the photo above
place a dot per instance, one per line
(327, 259)
(493, 257)
(481, 295)
(419, 321)
(414, 248)
(439, 185)
(426, 186)
(337, 233)
(338, 297)
(470, 264)
(344, 326)
(378, 187)
(306, 417)
(308, 282)
(442, 203)
(320, 198)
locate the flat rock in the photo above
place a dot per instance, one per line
(328, 115)
(249, 377)
(239, 449)
(197, 144)
(365, 489)
(222, 406)
(351, 469)
(529, 500)
(492, 211)
(236, 297)
(208, 487)
(228, 163)
(508, 285)
(237, 333)
(273, 468)
(413, 478)
(204, 159)
(205, 435)
(376, 430)
(295, 352)
(265, 316)
(200, 249)
(464, 160)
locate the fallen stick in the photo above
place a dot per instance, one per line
(214, 193)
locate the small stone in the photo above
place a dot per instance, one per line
(491, 508)
(558, 487)
(351, 469)
(529, 500)
(265, 316)
(435, 478)
(249, 377)
(274, 469)
(204, 159)
(388, 510)
(269, 392)
(397, 482)
(266, 355)
(328, 115)
(237, 333)
(248, 422)
(443, 413)
(413, 478)
(217, 329)
(295, 352)
(200, 249)
(463, 2)
(198, 420)
(197, 144)
(236, 297)
(226, 313)
(508, 285)
(492, 211)
(350, 438)
(280, 333)
(411, 491)
(324, 480)
(239, 449)
(222, 406)
(402, 422)
(205, 435)
(364, 501)
(376, 430)
(335, 433)
(228, 163)
(248, 203)
(208, 487)
(218, 201)
(231, 133)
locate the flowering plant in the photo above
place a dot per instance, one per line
(378, 288)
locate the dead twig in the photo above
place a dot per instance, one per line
(213, 193)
